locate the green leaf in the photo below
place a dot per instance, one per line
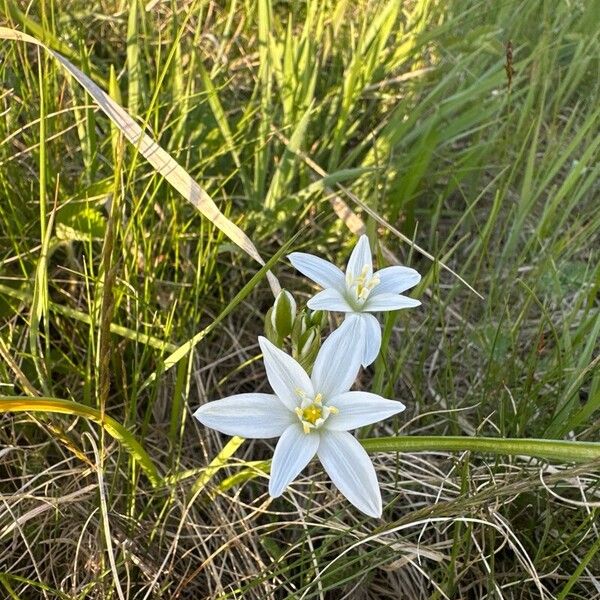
(561, 450)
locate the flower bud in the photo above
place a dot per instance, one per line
(308, 343)
(308, 347)
(283, 313)
(318, 318)
(301, 324)
(270, 331)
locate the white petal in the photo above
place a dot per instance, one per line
(287, 378)
(293, 452)
(329, 299)
(321, 271)
(339, 358)
(395, 280)
(359, 259)
(356, 409)
(372, 339)
(351, 470)
(381, 302)
(247, 415)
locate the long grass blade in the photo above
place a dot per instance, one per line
(161, 160)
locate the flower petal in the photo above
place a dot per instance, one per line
(329, 299)
(372, 339)
(359, 259)
(351, 470)
(293, 452)
(356, 409)
(382, 302)
(247, 415)
(339, 358)
(286, 376)
(321, 271)
(395, 280)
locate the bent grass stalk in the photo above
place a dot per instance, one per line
(68, 407)
(558, 450)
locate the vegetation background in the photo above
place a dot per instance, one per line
(468, 127)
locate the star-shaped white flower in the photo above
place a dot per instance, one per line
(359, 291)
(310, 415)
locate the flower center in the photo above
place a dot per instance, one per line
(360, 286)
(311, 412)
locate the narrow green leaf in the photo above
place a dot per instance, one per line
(561, 450)
(133, 59)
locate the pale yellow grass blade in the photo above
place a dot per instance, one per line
(161, 160)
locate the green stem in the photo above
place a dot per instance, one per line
(551, 449)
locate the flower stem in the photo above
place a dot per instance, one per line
(561, 450)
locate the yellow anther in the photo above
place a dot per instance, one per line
(318, 398)
(305, 427)
(333, 410)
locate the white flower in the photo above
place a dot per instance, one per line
(312, 415)
(359, 291)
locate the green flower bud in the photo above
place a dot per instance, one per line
(283, 314)
(270, 331)
(308, 347)
(307, 341)
(318, 318)
(301, 324)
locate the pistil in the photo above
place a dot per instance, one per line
(311, 412)
(361, 285)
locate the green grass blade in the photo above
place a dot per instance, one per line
(134, 71)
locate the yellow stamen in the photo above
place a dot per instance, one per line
(333, 410)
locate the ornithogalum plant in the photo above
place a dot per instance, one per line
(312, 409)
(313, 414)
